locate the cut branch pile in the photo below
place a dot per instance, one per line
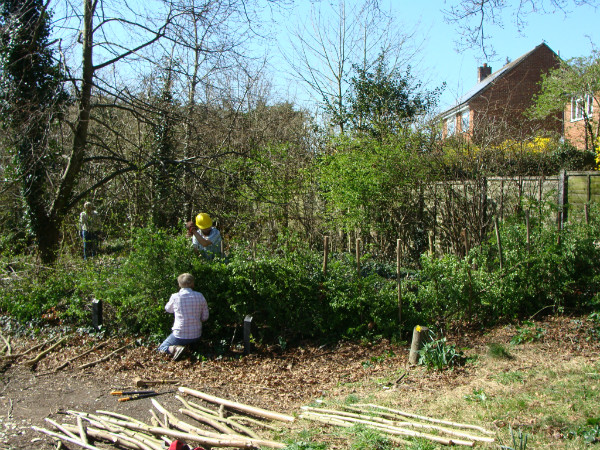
(211, 427)
(7, 357)
(399, 423)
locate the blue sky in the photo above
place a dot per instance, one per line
(570, 36)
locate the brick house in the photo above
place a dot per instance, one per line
(495, 105)
(575, 124)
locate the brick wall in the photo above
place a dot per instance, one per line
(505, 101)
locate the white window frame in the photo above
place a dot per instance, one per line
(451, 125)
(465, 113)
(578, 105)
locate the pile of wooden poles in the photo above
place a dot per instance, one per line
(394, 423)
(218, 430)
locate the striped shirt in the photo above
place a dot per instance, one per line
(190, 309)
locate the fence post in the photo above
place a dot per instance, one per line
(528, 226)
(559, 222)
(563, 186)
(96, 314)
(416, 344)
(325, 253)
(502, 198)
(499, 241)
(358, 257)
(398, 281)
(586, 211)
(247, 334)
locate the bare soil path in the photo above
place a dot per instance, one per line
(279, 380)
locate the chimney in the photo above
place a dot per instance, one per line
(483, 72)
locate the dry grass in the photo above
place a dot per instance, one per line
(548, 390)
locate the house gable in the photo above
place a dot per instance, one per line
(500, 99)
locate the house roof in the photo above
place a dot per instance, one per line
(483, 85)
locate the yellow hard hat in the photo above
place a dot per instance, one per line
(203, 221)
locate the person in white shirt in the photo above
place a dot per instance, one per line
(190, 309)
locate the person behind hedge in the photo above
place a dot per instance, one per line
(190, 310)
(88, 224)
(206, 239)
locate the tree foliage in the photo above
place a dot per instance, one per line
(383, 102)
(338, 36)
(31, 99)
(374, 188)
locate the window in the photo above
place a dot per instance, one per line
(578, 106)
(464, 121)
(450, 126)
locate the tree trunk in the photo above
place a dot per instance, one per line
(48, 236)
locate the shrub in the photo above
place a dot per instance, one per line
(437, 354)
(550, 276)
(285, 291)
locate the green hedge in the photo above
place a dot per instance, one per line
(553, 275)
(282, 286)
(284, 290)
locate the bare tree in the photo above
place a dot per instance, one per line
(330, 42)
(106, 48)
(473, 17)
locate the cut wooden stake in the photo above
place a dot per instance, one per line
(106, 358)
(238, 406)
(211, 416)
(416, 344)
(427, 426)
(238, 426)
(82, 430)
(29, 350)
(67, 362)
(341, 423)
(35, 360)
(428, 419)
(389, 429)
(118, 438)
(60, 428)
(207, 420)
(118, 416)
(65, 438)
(185, 426)
(256, 422)
(195, 406)
(119, 427)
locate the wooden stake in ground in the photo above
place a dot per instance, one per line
(398, 281)
(498, 240)
(238, 406)
(416, 344)
(325, 253)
